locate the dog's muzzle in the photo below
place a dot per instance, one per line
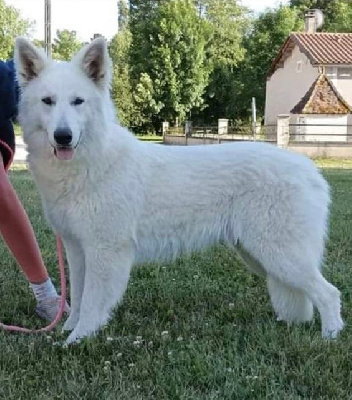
(63, 149)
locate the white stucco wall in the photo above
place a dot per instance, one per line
(287, 86)
(341, 77)
(318, 127)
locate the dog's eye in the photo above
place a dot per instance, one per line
(77, 101)
(48, 101)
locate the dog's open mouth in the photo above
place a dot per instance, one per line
(64, 153)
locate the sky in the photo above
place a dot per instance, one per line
(90, 16)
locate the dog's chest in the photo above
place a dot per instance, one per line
(71, 209)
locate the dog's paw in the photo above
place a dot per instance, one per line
(70, 323)
(72, 338)
(81, 331)
(332, 332)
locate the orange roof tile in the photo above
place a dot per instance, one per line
(320, 48)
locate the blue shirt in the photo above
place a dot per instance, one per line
(9, 91)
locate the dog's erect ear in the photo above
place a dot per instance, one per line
(29, 60)
(95, 62)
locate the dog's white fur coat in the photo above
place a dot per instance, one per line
(120, 201)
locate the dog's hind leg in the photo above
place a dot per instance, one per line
(290, 305)
(294, 280)
(76, 262)
(301, 286)
(251, 263)
(106, 277)
(326, 298)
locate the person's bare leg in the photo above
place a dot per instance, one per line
(17, 232)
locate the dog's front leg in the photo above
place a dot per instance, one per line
(76, 262)
(106, 277)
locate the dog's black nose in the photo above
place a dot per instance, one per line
(63, 136)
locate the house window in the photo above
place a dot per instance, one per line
(299, 66)
(344, 73)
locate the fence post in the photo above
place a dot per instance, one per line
(164, 128)
(223, 126)
(283, 130)
(349, 128)
(188, 130)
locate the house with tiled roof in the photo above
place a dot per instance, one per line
(311, 80)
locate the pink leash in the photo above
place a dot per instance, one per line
(14, 328)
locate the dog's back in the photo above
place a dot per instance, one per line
(199, 195)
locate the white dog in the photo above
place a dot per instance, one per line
(117, 201)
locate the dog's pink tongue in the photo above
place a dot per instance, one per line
(64, 154)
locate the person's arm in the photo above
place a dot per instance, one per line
(17, 231)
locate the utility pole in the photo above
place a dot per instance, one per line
(47, 28)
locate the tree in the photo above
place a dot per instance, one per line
(145, 99)
(12, 25)
(39, 43)
(177, 63)
(337, 13)
(123, 14)
(141, 13)
(268, 34)
(229, 23)
(65, 44)
(122, 92)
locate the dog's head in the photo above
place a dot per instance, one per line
(63, 104)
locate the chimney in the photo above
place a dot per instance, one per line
(310, 21)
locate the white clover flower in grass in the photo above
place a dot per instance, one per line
(119, 355)
(164, 333)
(107, 365)
(252, 377)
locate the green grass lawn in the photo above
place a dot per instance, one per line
(150, 138)
(200, 328)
